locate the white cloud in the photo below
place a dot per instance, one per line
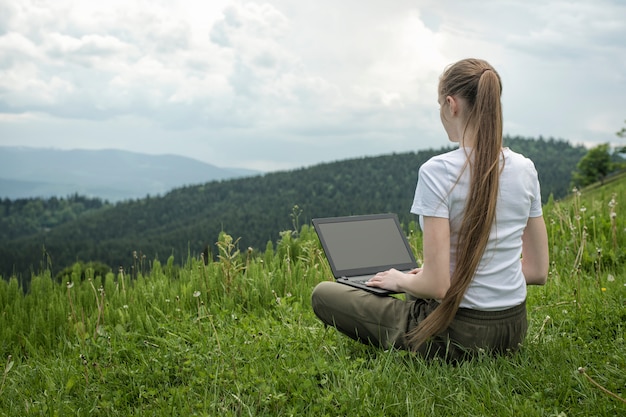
(282, 84)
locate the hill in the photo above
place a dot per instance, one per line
(238, 336)
(188, 220)
(112, 175)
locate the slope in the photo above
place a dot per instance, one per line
(188, 220)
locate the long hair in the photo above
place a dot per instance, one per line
(479, 84)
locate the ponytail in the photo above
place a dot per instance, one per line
(479, 84)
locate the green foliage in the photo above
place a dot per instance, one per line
(594, 166)
(24, 217)
(236, 335)
(254, 211)
(82, 270)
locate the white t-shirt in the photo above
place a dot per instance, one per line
(498, 283)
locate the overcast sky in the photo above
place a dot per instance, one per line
(280, 84)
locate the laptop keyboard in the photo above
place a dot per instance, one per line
(359, 280)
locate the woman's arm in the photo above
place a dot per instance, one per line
(432, 280)
(535, 257)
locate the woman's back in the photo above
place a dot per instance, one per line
(442, 192)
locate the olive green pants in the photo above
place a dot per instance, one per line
(384, 321)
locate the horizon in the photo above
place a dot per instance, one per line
(258, 172)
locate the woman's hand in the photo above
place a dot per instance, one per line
(432, 280)
(392, 279)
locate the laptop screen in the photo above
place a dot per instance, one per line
(364, 244)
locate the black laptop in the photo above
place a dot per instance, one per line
(358, 247)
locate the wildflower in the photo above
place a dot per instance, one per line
(69, 284)
(610, 278)
(126, 306)
(583, 209)
(603, 289)
(196, 294)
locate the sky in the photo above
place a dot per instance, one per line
(282, 84)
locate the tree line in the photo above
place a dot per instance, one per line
(56, 233)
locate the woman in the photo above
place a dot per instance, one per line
(484, 240)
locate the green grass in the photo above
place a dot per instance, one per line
(238, 337)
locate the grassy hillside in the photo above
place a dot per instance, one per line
(254, 210)
(236, 336)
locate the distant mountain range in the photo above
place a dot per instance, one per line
(255, 211)
(112, 175)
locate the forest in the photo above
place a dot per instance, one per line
(54, 234)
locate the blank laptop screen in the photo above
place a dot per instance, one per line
(365, 243)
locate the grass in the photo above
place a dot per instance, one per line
(237, 337)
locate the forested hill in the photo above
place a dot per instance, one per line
(187, 220)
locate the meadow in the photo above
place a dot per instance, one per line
(236, 336)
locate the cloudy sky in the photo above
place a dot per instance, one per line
(280, 84)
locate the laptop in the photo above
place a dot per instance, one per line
(358, 247)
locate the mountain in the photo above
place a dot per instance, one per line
(53, 234)
(112, 175)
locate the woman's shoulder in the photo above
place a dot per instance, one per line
(454, 157)
(519, 166)
(516, 157)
